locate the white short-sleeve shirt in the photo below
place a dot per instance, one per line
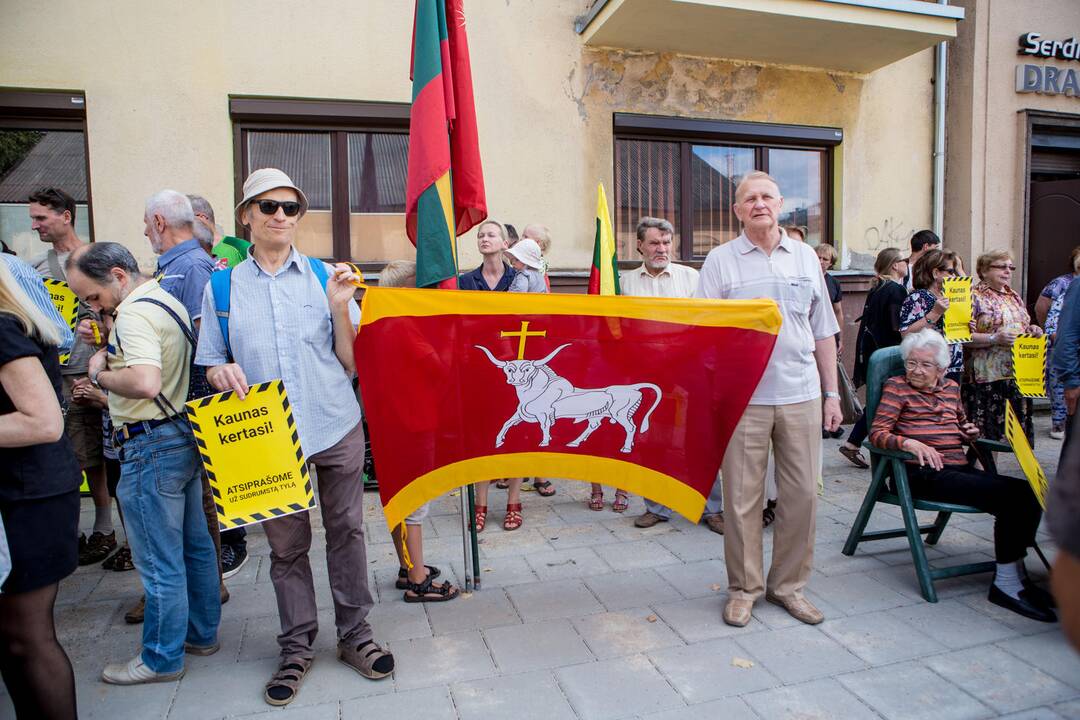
(791, 275)
(677, 281)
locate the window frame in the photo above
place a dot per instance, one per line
(761, 137)
(50, 110)
(336, 117)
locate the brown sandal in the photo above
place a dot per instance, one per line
(544, 488)
(622, 501)
(513, 519)
(288, 677)
(426, 591)
(480, 518)
(854, 456)
(596, 500)
(768, 515)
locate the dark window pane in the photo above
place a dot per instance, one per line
(32, 159)
(378, 166)
(799, 173)
(714, 173)
(305, 158)
(648, 182)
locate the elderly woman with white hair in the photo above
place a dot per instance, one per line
(920, 413)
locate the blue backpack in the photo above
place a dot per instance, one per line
(221, 287)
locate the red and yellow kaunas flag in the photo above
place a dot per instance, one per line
(642, 393)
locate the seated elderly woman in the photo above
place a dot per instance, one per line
(921, 413)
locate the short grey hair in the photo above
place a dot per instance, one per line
(174, 207)
(202, 206)
(660, 224)
(926, 339)
(204, 235)
(98, 260)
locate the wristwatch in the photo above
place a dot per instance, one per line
(94, 378)
(831, 394)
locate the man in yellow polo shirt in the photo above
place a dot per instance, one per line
(145, 370)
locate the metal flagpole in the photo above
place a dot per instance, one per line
(465, 544)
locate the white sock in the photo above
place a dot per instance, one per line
(103, 519)
(1008, 578)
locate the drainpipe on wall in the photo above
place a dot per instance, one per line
(940, 78)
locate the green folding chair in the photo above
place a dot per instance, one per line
(890, 465)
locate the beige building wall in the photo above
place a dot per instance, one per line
(158, 76)
(986, 174)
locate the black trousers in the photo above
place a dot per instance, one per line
(1010, 500)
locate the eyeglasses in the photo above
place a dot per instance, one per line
(916, 364)
(270, 207)
(950, 270)
(1010, 266)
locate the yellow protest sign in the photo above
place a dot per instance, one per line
(251, 451)
(1029, 365)
(958, 315)
(1014, 433)
(66, 303)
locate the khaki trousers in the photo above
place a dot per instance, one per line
(795, 432)
(341, 499)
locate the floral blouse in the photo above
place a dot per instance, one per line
(1057, 287)
(916, 306)
(991, 311)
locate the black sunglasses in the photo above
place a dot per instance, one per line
(270, 207)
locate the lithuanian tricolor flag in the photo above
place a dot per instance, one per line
(604, 274)
(443, 145)
(642, 393)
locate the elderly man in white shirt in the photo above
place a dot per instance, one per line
(786, 408)
(659, 277)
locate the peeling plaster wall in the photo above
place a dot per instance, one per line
(886, 118)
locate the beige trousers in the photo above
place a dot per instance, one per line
(795, 432)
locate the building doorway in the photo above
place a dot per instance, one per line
(1053, 210)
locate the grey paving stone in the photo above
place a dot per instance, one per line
(260, 636)
(124, 586)
(626, 632)
(87, 619)
(799, 653)
(953, 624)
(258, 600)
(559, 599)
(78, 586)
(830, 561)
(634, 555)
(856, 594)
(909, 691)
(624, 530)
(1023, 625)
(394, 620)
(705, 671)
(1042, 713)
(505, 571)
(578, 535)
(98, 701)
(472, 611)
(536, 646)
(322, 711)
(818, 700)
(496, 542)
(728, 709)
(700, 619)
(880, 638)
(634, 588)
(618, 688)
(528, 696)
(690, 547)
(431, 703)
(208, 692)
(440, 660)
(230, 634)
(1069, 709)
(1002, 681)
(1050, 652)
(703, 578)
(563, 564)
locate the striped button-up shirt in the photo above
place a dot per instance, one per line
(30, 282)
(280, 327)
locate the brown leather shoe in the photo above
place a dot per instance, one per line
(715, 523)
(737, 612)
(134, 616)
(798, 607)
(648, 519)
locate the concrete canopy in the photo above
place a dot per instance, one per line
(846, 35)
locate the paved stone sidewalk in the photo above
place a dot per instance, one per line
(584, 616)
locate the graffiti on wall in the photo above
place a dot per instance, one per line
(890, 232)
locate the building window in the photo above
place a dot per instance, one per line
(351, 161)
(42, 144)
(686, 171)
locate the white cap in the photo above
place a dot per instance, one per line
(528, 252)
(264, 180)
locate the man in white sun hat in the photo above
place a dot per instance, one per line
(283, 315)
(527, 261)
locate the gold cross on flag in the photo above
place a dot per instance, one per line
(523, 335)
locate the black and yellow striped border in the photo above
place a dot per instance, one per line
(1046, 360)
(72, 319)
(302, 469)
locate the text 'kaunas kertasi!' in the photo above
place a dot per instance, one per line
(246, 433)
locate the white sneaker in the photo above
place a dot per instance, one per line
(1057, 434)
(135, 672)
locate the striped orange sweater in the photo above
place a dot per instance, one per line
(933, 418)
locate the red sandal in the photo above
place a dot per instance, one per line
(596, 500)
(622, 501)
(480, 518)
(513, 519)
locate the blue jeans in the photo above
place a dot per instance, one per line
(160, 492)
